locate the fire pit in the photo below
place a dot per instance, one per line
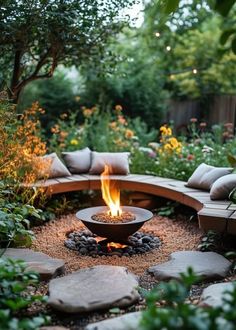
(114, 231)
(113, 223)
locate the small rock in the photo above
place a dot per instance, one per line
(128, 321)
(146, 239)
(213, 295)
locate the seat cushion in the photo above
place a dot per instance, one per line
(222, 187)
(53, 167)
(205, 175)
(78, 161)
(118, 162)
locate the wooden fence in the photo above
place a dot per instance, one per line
(217, 110)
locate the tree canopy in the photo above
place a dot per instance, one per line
(37, 35)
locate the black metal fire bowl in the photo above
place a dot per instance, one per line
(117, 232)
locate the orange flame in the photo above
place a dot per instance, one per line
(110, 193)
(115, 245)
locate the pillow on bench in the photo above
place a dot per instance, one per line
(222, 187)
(52, 167)
(78, 161)
(205, 175)
(118, 161)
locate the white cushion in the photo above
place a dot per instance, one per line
(118, 162)
(222, 187)
(52, 167)
(78, 161)
(205, 175)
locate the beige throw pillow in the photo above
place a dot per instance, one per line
(222, 187)
(78, 161)
(52, 167)
(118, 161)
(205, 175)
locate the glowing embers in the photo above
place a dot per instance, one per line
(89, 244)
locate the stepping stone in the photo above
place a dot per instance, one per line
(213, 295)
(128, 321)
(94, 288)
(46, 266)
(209, 265)
(54, 327)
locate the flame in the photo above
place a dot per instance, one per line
(115, 245)
(110, 193)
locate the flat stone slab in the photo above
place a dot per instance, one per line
(209, 265)
(46, 266)
(213, 295)
(128, 321)
(94, 288)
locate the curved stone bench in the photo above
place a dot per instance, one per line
(219, 216)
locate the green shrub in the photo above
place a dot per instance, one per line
(174, 312)
(15, 217)
(15, 297)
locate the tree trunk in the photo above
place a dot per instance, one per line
(13, 92)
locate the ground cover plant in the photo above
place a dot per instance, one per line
(16, 296)
(168, 308)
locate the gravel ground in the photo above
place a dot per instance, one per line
(175, 235)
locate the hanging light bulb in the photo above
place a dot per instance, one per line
(157, 34)
(168, 48)
(195, 71)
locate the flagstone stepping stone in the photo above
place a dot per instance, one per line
(94, 288)
(213, 295)
(46, 266)
(54, 327)
(128, 321)
(209, 265)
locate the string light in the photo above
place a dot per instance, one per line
(157, 34)
(194, 71)
(168, 48)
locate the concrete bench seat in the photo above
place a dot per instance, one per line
(219, 216)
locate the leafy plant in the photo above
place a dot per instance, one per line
(212, 241)
(168, 210)
(15, 218)
(168, 308)
(15, 297)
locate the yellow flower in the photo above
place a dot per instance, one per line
(74, 142)
(87, 112)
(174, 142)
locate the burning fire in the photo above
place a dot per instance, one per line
(115, 245)
(110, 193)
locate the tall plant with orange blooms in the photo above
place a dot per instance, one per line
(20, 143)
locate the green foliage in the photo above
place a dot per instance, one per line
(38, 36)
(168, 210)
(177, 313)
(137, 82)
(57, 95)
(224, 8)
(15, 297)
(212, 241)
(100, 130)
(15, 218)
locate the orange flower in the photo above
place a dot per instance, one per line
(118, 108)
(122, 120)
(129, 134)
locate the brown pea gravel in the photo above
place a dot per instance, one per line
(175, 236)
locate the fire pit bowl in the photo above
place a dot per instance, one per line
(117, 232)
